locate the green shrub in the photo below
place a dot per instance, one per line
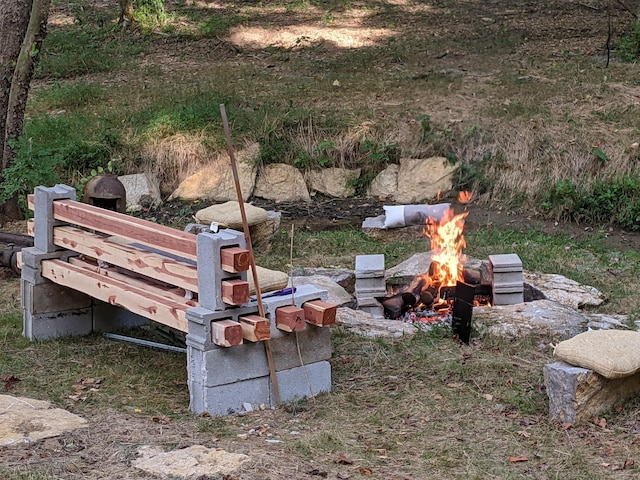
(627, 48)
(614, 201)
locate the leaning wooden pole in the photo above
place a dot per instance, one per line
(252, 260)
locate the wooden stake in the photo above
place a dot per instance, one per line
(252, 260)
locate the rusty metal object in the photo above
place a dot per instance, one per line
(106, 191)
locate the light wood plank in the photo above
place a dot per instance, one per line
(255, 328)
(143, 302)
(122, 225)
(169, 292)
(114, 252)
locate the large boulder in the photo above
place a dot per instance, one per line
(143, 191)
(215, 182)
(282, 182)
(334, 182)
(422, 179)
(385, 183)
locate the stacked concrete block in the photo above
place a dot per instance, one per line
(50, 310)
(507, 281)
(222, 380)
(370, 283)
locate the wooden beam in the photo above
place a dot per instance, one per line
(143, 302)
(234, 259)
(119, 224)
(290, 319)
(319, 313)
(138, 260)
(255, 328)
(170, 293)
(235, 292)
(226, 333)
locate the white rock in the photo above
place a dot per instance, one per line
(215, 182)
(334, 182)
(336, 294)
(25, 420)
(385, 183)
(143, 190)
(281, 182)
(422, 179)
(190, 462)
(565, 291)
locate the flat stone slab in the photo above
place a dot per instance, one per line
(565, 291)
(541, 316)
(577, 394)
(336, 294)
(363, 323)
(192, 462)
(24, 420)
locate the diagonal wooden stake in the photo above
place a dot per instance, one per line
(252, 260)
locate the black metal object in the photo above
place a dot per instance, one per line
(10, 245)
(463, 311)
(106, 191)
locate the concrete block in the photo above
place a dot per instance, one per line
(227, 365)
(107, 317)
(577, 394)
(229, 398)
(210, 272)
(508, 298)
(509, 262)
(315, 345)
(508, 287)
(43, 326)
(43, 214)
(307, 381)
(33, 275)
(507, 277)
(369, 266)
(50, 297)
(373, 283)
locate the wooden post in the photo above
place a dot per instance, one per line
(235, 292)
(255, 328)
(319, 313)
(234, 259)
(226, 333)
(290, 319)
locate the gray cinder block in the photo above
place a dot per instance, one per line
(210, 273)
(369, 266)
(43, 214)
(44, 326)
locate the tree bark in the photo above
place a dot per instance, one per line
(17, 70)
(14, 19)
(126, 12)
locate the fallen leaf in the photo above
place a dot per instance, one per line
(488, 396)
(455, 384)
(521, 458)
(601, 422)
(618, 408)
(566, 425)
(605, 464)
(161, 420)
(9, 381)
(524, 433)
(343, 460)
(628, 463)
(437, 397)
(365, 471)
(343, 476)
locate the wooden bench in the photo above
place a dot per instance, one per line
(85, 258)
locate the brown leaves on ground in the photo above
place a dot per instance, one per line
(343, 460)
(518, 459)
(10, 381)
(83, 386)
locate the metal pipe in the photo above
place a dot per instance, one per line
(144, 343)
(16, 239)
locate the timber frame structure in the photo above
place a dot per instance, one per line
(95, 270)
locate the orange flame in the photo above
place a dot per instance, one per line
(447, 242)
(464, 197)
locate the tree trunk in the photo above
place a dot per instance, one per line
(18, 71)
(14, 19)
(126, 12)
